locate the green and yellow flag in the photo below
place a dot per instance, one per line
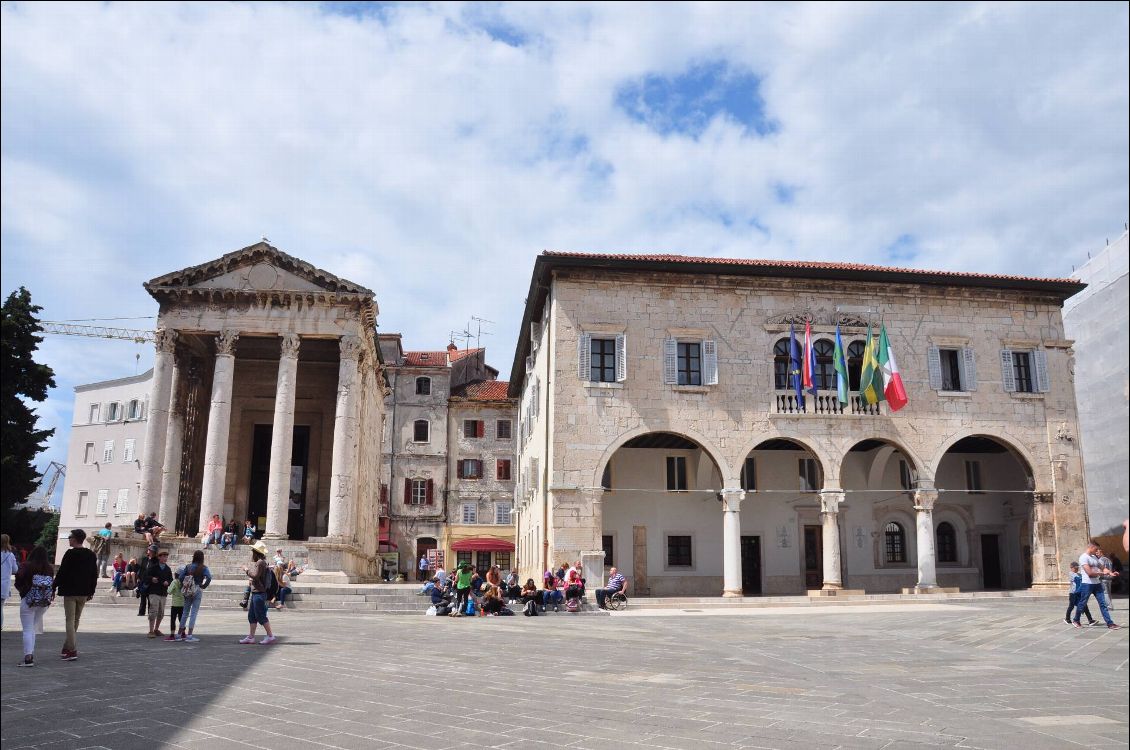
(871, 377)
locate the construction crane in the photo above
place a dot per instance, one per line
(138, 336)
(50, 478)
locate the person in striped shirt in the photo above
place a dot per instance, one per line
(616, 583)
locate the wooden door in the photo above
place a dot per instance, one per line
(751, 565)
(813, 557)
(991, 561)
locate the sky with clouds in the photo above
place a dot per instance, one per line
(429, 152)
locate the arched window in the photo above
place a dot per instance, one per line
(855, 363)
(895, 539)
(423, 386)
(781, 365)
(946, 544)
(825, 376)
(421, 431)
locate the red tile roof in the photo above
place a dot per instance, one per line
(454, 355)
(425, 359)
(484, 390)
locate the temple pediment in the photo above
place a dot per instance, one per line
(257, 269)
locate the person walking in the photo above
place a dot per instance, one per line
(194, 577)
(1090, 571)
(1107, 575)
(462, 588)
(100, 543)
(36, 588)
(422, 569)
(142, 591)
(260, 578)
(8, 567)
(75, 581)
(158, 576)
(1074, 591)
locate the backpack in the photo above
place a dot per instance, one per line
(40, 593)
(572, 605)
(189, 586)
(531, 609)
(470, 608)
(270, 584)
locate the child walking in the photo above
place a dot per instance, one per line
(176, 614)
(1074, 593)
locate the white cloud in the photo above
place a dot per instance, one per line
(413, 153)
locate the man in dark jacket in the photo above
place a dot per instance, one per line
(159, 575)
(75, 581)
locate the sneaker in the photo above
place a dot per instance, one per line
(151, 635)
(70, 656)
(1066, 621)
(171, 638)
(1077, 625)
(191, 639)
(63, 656)
(119, 594)
(554, 607)
(1114, 626)
(158, 633)
(26, 663)
(268, 640)
(247, 639)
(1095, 623)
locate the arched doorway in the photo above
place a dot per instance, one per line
(985, 503)
(781, 541)
(424, 545)
(877, 520)
(662, 520)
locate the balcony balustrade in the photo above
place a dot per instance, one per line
(824, 403)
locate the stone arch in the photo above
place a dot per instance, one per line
(828, 469)
(880, 463)
(729, 479)
(1018, 449)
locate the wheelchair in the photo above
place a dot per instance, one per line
(616, 601)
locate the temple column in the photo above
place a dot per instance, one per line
(219, 423)
(157, 425)
(174, 447)
(924, 499)
(830, 519)
(282, 440)
(343, 485)
(732, 541)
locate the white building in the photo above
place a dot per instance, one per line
(104, 456)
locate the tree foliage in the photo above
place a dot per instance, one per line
(49, 535)
(23, 380)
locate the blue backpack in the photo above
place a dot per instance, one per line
(470, 609)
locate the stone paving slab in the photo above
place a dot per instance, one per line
(1000, 674)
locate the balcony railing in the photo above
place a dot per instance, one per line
(823, 403)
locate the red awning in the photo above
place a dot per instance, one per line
(482, 544)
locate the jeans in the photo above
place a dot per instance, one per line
(72, 609)
(1072, 603)
(227, 543)
(551, 597)
(103, 561)
(213, 538)
(257, 609)
(284, 592)
(117, 583)
(31, 618)
(602, 594)
(1085, 593)
(191, 607)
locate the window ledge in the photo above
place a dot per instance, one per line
(1027, 396)
(601, 386)
(691, 388)
(955, 394)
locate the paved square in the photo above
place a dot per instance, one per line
(994, 674)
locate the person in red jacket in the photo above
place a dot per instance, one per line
(75, 581)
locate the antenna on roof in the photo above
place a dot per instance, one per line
(479, 332)
(464, 334)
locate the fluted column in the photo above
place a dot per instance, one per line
(343, 485)
(219, 423)
(924, 499)
(830, 519)
(157, 426)
(732, 541)
(174, 446)
(282, 440)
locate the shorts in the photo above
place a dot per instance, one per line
(257, 609)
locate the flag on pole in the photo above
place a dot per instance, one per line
(795, 377)
(809, 360)
(870, 379)
(893, 388)
(839, 361)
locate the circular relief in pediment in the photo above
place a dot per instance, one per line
(262, 276)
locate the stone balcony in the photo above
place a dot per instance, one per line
(824, 404)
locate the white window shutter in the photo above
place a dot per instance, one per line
(584, 352)
(123, 502)
(709, 362)
(1008, 372)
(968, 368)
(1040, 368)
(621, 359)
(103, 498)
(535, 336)
(670, 361)
(934, 364)
(127, 451)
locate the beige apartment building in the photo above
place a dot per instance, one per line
(658, 432)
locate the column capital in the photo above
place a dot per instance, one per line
(225, 342)
(924, 499)
(165, 340)
(289, 345)
(350, 346)
(830, 500)
(732, 499)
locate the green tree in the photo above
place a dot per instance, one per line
(23, 380)
(50, 535)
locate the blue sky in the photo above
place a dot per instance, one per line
(430, 152)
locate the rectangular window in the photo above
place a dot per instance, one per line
(108, 452)
(608, 544)
(951, 369)
(973, 476)
(502, 429)
(679, 552)
(809, 482)
(470, 468)
(502, 470)
(749, 474)
(502, 512)
(83, 504)
(676, 473)
(473, 428)
(419, 494)
(482, 561)
(128, 449)
(114, 413)
(135, 409)
(103, 501)
(602, 360)
(502, 560)
(462, 557)
(690, 363)
(1022, 367)
(88, 453)
(122, 506)
(469, 513)
(906, 479)
(420, 431)
(94, 413)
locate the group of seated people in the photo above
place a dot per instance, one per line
(230, 535)
(148, 527)
(491, 594)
